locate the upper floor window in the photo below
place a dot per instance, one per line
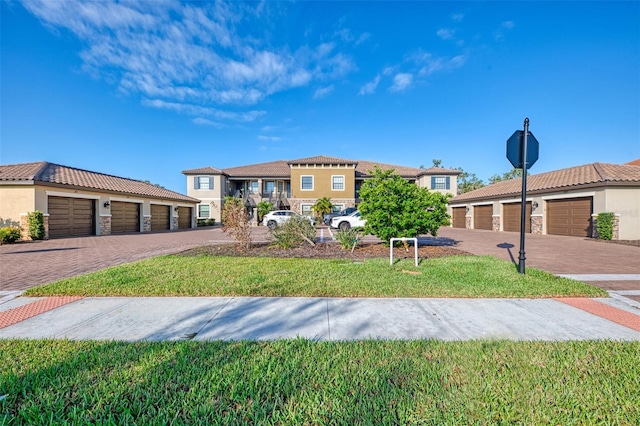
(203, 182)
(269, 186)
(337, 183)
(440, 182)
(204, 211)
(306, 183)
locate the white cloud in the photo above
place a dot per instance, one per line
(431, 65)
(204, 122)
(401, 82)
(505, 27)
(457, 17)
(190, 109)
(268, 128)
(446, 33)
(269, 138)
(322, 92)
(370, 87)
(195, 54)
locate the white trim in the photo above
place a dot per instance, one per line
(146, 215)
(537, 215)
(71, 195)
(127, 200)
(482, 203)
(515, 200)
(105, 215)
(568, 195)
(27, 214)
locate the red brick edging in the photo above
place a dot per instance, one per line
(605, 311)
(21, 313)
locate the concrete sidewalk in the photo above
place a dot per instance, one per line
(237, 318)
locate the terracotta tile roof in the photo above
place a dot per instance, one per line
(322, 159)
(363, 168)
(633, 163)
(595, 174)
(203, 170)
(62, 175)
(281, 168)
(278, 168)
(439, 171)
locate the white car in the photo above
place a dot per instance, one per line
(278, 217)
(344, 223)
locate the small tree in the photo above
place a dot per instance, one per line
(36, 225)
(321, 207)
(395, 208)
(604, 225)
(235, 221)
(263, 208)
(294, 232)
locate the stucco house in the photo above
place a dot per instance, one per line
(560, 202)
(78, 202)
(298, 184)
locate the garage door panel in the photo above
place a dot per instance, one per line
(71, 217)
(511, 217)
(482, 217)
(570, 217)
(160, 217)
(125, 217)
(459, 219)
(184, 217)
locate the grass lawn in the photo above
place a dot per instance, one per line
(455, 276)
(305, 382)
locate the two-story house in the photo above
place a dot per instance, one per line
(298, 184)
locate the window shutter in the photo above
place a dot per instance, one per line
(211, 182)
(448, 182)
(433, 182)
(196, 182)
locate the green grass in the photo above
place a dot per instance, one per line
(303, 382)
(456, 276)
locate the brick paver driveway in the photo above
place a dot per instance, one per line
(26, 265)
(553, 253)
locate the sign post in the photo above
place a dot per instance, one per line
(522, 152)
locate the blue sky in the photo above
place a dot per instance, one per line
(148, 89)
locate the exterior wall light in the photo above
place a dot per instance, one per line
(176, 208)
(534, 205)
(106, 204)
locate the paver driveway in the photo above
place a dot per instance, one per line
(26, 265)
(29, 264)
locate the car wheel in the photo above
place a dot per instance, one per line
(344, 226)
(272, 224)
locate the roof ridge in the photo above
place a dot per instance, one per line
(97, 173)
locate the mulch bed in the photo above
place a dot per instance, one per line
(324, 250)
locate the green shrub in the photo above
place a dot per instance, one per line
(348, 238)
(9, 234)
(36, 225)
(604, 225)
(206, 222)
(263, 207)
(294, 233)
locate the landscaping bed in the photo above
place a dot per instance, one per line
(325, 250)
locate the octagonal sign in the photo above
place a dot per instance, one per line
(515, 149)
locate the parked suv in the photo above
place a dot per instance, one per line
(328, 216)
(344, 223)
(278, 217)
